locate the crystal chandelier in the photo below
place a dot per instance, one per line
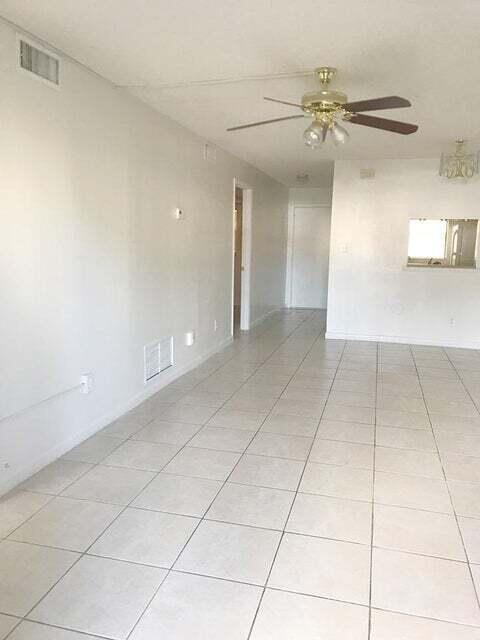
(459, 164)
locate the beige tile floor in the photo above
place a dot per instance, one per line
(290, 488)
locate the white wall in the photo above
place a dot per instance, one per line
(372, 294)
(93, 264)
(297, 197)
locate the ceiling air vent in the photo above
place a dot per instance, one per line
(39, 62)
(158, 356)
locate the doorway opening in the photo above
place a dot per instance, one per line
(242, 216)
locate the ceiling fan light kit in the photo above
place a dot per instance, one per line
(328, 107)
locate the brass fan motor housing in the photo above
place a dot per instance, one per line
(323, 101)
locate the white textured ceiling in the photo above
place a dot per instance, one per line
(424, 50)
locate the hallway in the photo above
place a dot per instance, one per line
(290, 487)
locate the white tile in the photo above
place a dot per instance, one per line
(342, 453)
(476, 576)
(68, 524)
(203, 463)
(415, 463)
(354, 386)
(18, 506)
(178, 494)
(56, 477)
(189, 607)
(206, 398)
(147, 456)
(325, 568)
(28, 572)
(453, 408)
(263, 471)
(466, 498)
(290, 425)
(470, 528)
(165, 432)
(351, 399)
(307, 395)
(460, 443)
(459, 467)
(337, 481)
(288, 616)
(401, 403)
(100, 596)
(235, 440)
(345, 431)
(412, 491)
(6, 625)
(109, 484)
(146, 537)
(249, 403)
(360, 415)
(424, 532)
(299, 408)
(250, 505)
(393, 389)
(409, 420)
(423, 586)
(396, 626)
(230, 551)
(328, 517)
(400, 438)
(191, 414)
(34, 631)
(280, 446)
(232, 419)
(455, 424)
(93, 450)
(128, 424)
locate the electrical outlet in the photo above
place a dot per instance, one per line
(452, 322)
(86, 381)
(215, 325)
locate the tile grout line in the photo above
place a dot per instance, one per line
(125, 507)
(202, 519)
(475, 589)
(372, 530)
(252, 626)
(296, 492)
(447, 485)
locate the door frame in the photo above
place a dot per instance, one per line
(247, 205)
(291, 245)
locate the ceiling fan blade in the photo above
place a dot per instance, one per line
(292, 104)
(375, 104)
(257, 124)
(382, 123)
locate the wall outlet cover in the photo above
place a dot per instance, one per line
(86, 381)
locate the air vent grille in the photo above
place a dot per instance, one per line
(39, 62)
(158, 357)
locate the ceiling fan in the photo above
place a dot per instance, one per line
(327, 107)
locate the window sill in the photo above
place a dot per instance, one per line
(431, 267)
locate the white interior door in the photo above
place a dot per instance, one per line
(311, 250)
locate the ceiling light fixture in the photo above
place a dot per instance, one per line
(459, 164)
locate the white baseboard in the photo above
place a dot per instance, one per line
(443, 342)
(61, 448)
